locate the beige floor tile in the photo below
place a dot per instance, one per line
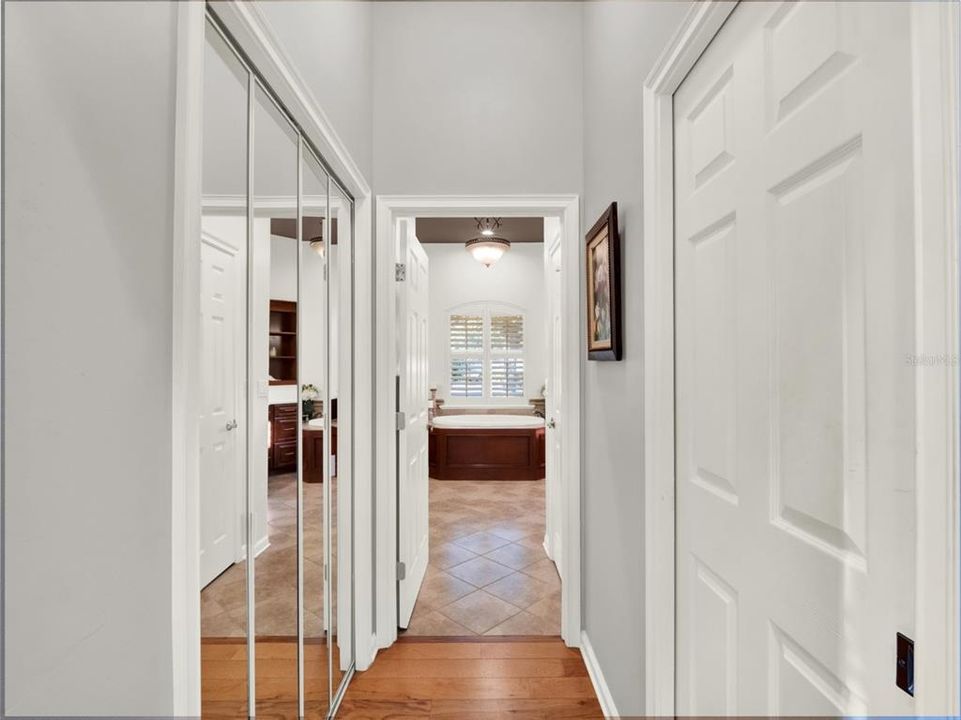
(479, 611)
(544, 571)
(481, 542)
(480, 571)
(516, 556)
(524, 623)
(445, 555)
(533, 541)
(548, 607)
(434, 623)
(512, 531)
(519, 589)
(442, 589)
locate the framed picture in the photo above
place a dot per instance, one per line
(604, 288)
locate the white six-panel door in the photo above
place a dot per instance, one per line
(554, 405)
(221, 308)
(795, 408)
(412, 471)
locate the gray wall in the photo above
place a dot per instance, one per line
(477, 97)
(621, 42)
(89, 169)
(330, 44)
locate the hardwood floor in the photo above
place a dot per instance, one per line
(224, 679)
(483, 678)
(524, 678)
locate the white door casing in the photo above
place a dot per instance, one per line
(221, 516)
(413, 399)
(554, 394)
(390, 212)
(796, 418)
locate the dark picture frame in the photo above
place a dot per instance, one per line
(603, 281)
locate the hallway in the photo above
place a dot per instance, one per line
(480, 360)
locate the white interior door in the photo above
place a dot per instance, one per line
(413, 396)
(554, 399)
(221, 311)
(796, 425)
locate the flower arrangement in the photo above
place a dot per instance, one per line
(308, 393)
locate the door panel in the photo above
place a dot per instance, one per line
(554, 401)
(795, 413)
(412, 471)
(220, 480)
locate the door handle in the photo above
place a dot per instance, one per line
(231, 425)
(551, 424)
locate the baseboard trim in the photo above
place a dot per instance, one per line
(597, 678)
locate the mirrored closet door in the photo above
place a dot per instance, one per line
(223, 426)
(277, 388)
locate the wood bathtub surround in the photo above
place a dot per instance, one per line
(486, 453)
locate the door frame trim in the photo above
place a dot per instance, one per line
(390, 209)
(935, 40)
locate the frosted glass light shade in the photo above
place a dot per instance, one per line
(487, 251)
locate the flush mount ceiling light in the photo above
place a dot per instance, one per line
(487, 249)
(317, 245)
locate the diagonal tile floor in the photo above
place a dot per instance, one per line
(224, 601)
(488, 573)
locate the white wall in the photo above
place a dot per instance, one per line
(330, 44)
(516, 279)
(621, 42)
(89, 91)
(283, 268)
(478, 97)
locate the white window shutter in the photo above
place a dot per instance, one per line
(507, 356)
(467, 360)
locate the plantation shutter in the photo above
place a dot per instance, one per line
(467, 356)
(507, 361)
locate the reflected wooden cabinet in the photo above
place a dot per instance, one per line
(282, 456)
(314, 453)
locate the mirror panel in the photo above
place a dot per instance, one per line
(222, 421)
(340, 272)
(274, 359)
(314, 347)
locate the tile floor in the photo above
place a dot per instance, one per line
(223, 602)
(488, 573)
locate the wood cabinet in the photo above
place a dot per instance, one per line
(282, 455)
(283, 342)
(314, 452)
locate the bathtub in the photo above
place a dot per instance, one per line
(488, 421)
(486, 447)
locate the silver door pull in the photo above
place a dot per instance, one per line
(231, 425)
